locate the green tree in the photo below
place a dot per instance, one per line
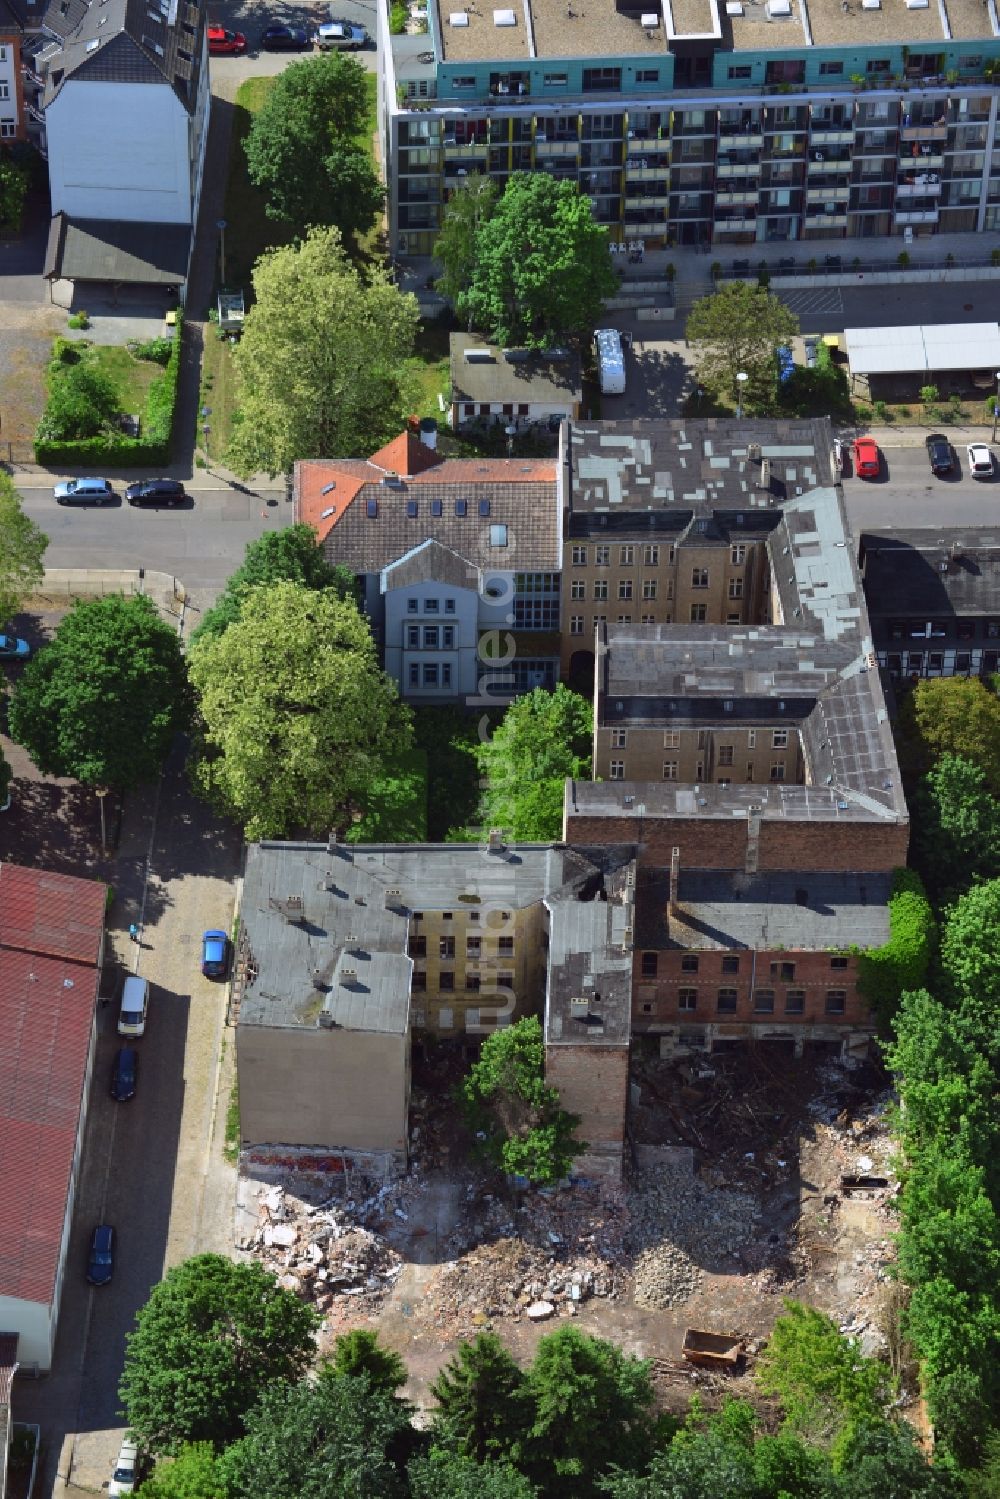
(542, 267)
(593, 1409)
(951, 716)
(193, 1474)
(102, 701)
(360, 1352)
(543, 738)
(466, 211)
(290, 555)
(970, 964)
(985, 1483)
(884, 973)
(948, 1086)
(825, 1384)
(448, 1475)
(482, 1412)
(296, 715)
(22, 548)
(515, 1115)
(82, 402)
(6, 776)
(331, 1438)
(738, 330)
(320, 365)
(881, 1460)
(14, 180)
(211, 1339)
(956, 827)
(302, 149)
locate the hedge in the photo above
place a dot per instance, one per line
(884, 973)
(115, 450)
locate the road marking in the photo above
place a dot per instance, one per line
(814, 300)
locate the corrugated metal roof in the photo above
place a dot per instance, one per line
(923, 348)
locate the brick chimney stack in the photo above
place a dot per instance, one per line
(675, 877)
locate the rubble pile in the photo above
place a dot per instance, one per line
(682, 1227)
(324, 1250)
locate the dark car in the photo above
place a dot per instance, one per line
(101, 1259)
(214, 954)
(156, 492)
(124, 1074)
(280, 37)
(939, 453)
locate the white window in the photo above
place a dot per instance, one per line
(445, 1019)
(671, 739)
(779, 739)
(619, 738)
(7, 128)
(576, 624)
(4, 90)
(670, 770)
(618, 770)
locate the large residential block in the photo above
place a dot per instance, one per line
(713, 122)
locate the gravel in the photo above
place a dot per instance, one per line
(681, 1228)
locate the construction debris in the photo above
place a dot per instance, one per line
(322, 1251)
(682, 1227)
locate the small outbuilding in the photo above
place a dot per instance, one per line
(893, 363)
(512, 387)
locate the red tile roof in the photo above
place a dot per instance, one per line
(490, 471)
(56, 914)
(406, 455)
(325, 487)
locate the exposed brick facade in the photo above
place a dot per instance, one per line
(593, 1083)
(780, 987)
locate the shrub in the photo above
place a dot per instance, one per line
(928, 394)
(904, 413)
(885, 972)
(79, 320)
(82, 401)
(397, 19)
(881, 411)
(157, 350)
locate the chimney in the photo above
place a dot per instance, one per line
(496, 843)
(429, 432)
(753, 839)
(675, 878)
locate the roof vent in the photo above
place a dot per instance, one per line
(348, 975)
(326, 1020)
(93, 46)
(778, 10)
(458, 18)
(393, 481)
(479, 356)
(329, 488)
(579, 1004)
(330, 510)
(496, 844)
(649, 18)
(504, 18)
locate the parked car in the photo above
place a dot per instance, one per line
(866, 458)
(980, 460)
(84, 492)
(280, 37)
(124, 1074)
(101, 1256)
(341, 36)
(126, 1474)
(214, 954)
(156, 492)
(939, 453)
(224, 43)
(12, 649)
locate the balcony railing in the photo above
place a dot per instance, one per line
(917, 216)
(935, 132)
(742, 140)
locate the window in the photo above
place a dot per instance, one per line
(4, 90)
(430, 637)
(831, 69)
(413, 636)
(418, 947)
(626, 556)
(670, 770)
(448, 637)
(472, 983)
(647, 75)
(625, 588)
(602, 556)
(779, 739)
(446, 983)
(578, 589)
(795, 1001)
(602, 80)
(619, 738)
(445, 1018)
(430, 675)
(446, 674)
(650, 556)
(505, 981)
(687, 999)
(737, 555)
(414, 674)
(699, 613)
(783, 971)
(736, 588)
(763, 1001)
(554, 80)
(699, 577)
(411, 606)
(473, 946)
(576, 624)
(431, 606)
(618, 770)
(689, 963)
(624, 619)
(878, 65)
(726, 1004)
(498, 536)
(505, 947)
(839, 961)
(836, 1001)
(579, 556)
(777, 770)
(446, 947)
(449, 606)
(751, 739)
(418, 982)
(731, 964)
(484, 508)
(649, 965)
(461, 507)
(671, 739)
(601, 589)
(725, 754)
(466, 80)
(649, 588)
(738, 73)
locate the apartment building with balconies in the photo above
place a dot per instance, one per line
(704, 122)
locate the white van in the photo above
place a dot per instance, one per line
(134, 1007)
(610, 361)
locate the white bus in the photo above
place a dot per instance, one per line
(610, 361)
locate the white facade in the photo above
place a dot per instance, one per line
(123, 151)
(9, 124)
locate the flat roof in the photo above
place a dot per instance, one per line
(893, 21)
(589, 993)
(923, 348)
(932, 574)
(512, 376)
(116, 250)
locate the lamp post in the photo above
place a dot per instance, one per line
(741, 380)
(996, 409)
(221, 226)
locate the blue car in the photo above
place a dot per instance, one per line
(214, 955)
(12, 649)
(101, 1258)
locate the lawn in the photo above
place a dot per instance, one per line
(218, 393)
(131, 377)
(429, 369)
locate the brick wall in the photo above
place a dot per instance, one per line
(784, 988)
(593, 1082)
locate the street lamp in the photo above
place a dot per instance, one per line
(221, 226)
(996, 409)
(741, 380)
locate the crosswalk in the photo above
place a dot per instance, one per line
(811, 300)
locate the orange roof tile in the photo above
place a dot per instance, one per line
(406, 455)
(490, 471)
(325, 487)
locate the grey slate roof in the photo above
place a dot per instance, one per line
(808, 911)
(932, 573)
(127, 41)
(513, 376)
(590, 956)
(430, 562)
(117, 250)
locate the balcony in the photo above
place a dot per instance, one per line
(741, 141)
(641, 228)
(826, 167)
(831, 135)
(547, 148)
(919, 188)
(735, 226)
(647, 145)
(643, 204)
(936, 132)
(659, 173)
(738, 169)
(827, 195)
(465, 150)
(825, 221)
(28, 73)
(930, 162)
(917, 216)
(736, 200)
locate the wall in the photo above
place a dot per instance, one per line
(462, 659)
(658, 1001)
(30, 1320)
(694, 755)
(119, 151)
(593, 1083)
(11, 108)
(525, 967)
(332, 1088)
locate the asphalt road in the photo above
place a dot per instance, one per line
(908, 495)
(251, 19)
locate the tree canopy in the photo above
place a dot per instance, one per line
(195, 1473)
(359, 1352)
(296, 717)
(320, 366)
(542, 267)
(303, 149)
(517, 1118)
(825, 1384)
(102, 701)
(22, 548)
(956, 826)
(738, 330)
(448, 1475)
(543, 738)
(466, 211)
(952, 716)
(211, 1339)
(481, 1401)
(290, 555)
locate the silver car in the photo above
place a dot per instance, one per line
(341, 36)
(84, 492)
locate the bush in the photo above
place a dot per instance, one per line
(884, 973)
(82, 401)
(929, 394)
(157, 350)
(79, 320)
(881, 411)
(397, 19)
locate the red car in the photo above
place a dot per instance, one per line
(866, 458)
(223, 43)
